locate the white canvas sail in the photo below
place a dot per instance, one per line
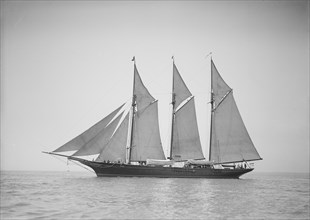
(145, 138)
(219, 86)
(230, 141)
(146, 142)
(179, 88)
(186, 141)
(96, 145)
(79, 141)
(142, 95)
(115, 150)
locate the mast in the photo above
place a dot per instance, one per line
(133, 106)
(185, 135)
(172, 113)
(172, 123)
(211, 102)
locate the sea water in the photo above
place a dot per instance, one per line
(82, 195)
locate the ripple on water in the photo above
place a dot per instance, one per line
(55, 195)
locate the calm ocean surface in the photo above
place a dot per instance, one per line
(82, 195)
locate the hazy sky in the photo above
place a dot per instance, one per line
(65, 65)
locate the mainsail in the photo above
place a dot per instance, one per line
(230, 141)
(79, 141)
(185, 140)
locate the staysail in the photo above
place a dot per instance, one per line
(115, 150)
(185, 140)
(96, 145)
(230, 141)
(79, 141)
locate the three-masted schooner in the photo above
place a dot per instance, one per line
(129, 145)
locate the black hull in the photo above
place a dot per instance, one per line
(126, 170)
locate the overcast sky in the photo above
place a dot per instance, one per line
(65, 65)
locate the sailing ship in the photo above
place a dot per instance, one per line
(128, 143)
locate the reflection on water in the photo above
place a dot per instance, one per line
(67, 195)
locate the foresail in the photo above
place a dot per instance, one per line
(115, 150)
(219, 86)
(230, 141)
(186, 141)
(146, 142)
(79, 141)
(96, 145)
(179, 89)
(142, 95)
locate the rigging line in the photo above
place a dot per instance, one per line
(66, 162)
(224, 97)
(237, 161)
(76, 163)
(58, 158)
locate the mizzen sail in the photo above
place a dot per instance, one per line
(218, 85)
(230, 141)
